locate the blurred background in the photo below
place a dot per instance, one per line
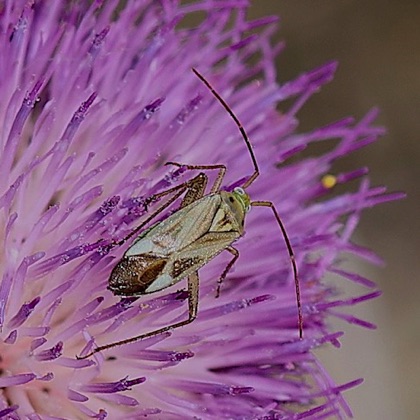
(377, 44)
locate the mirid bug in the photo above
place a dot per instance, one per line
(178, 246)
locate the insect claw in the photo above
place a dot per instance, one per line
(84, 357)
(179, 165)
(146, 203)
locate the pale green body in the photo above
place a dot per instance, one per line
(178, 246)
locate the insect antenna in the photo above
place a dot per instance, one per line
(291, 256)
(247, 183)
(256, 173)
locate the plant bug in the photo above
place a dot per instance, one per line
(178, 246)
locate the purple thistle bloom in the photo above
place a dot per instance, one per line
(94, 102)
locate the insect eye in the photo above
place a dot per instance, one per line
(239, 190)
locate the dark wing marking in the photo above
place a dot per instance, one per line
(133, 275)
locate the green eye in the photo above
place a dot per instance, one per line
(240, 191)
(241, 195)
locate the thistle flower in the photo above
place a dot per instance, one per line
(95, 100)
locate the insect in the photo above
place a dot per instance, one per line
(178, 246)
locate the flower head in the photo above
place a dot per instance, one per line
(95, 100)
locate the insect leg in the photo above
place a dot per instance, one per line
(220, 175)
(196, 190)
(292, 258)
(193, 282)
(235, 254)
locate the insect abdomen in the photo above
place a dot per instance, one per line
(133, 275)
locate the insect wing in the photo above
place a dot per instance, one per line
(196, 255)
(180, 245)
(177, 231)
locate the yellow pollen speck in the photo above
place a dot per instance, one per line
(329, 181)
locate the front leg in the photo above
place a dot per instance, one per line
(217, 183)
(194, 189)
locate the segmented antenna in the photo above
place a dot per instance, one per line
(254, 176)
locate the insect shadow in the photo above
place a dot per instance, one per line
(178, 246)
